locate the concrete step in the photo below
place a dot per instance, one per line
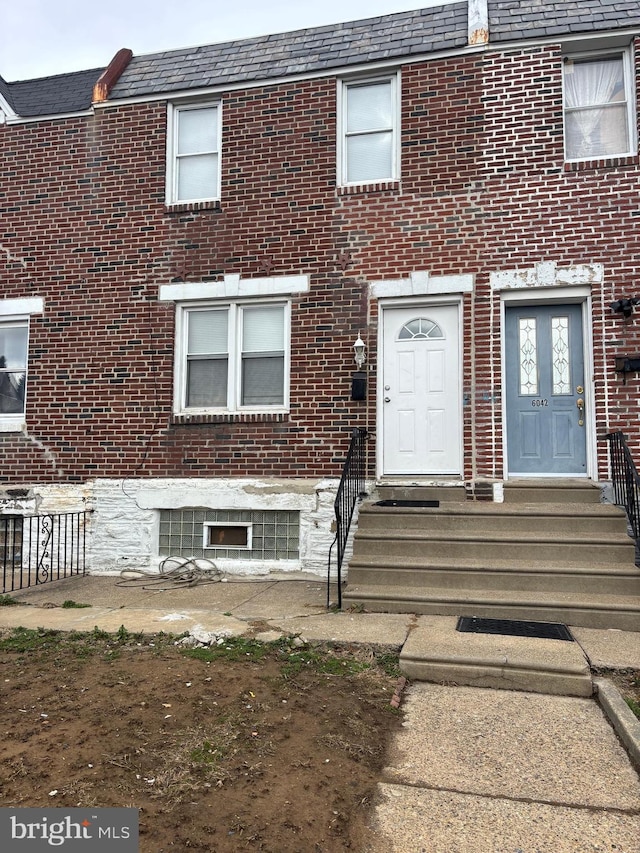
(491, 517)
(538, 546)
(435, 651)
(571, 608)
(551, 491)
(411, 492)
(594, 578)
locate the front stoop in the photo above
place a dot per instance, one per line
(550, 552)
(435, 651)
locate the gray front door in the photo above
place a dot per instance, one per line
(545, 399)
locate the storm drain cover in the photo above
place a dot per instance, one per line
(408, 503)
(514, 628)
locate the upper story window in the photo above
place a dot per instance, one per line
(598, 106)
(193, 162)
(233, 357)
(14, 337)
(369, 131)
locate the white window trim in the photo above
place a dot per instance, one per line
(341, 159)
(233, 406)
(173, 110)
(208, 525)
(630, 89)
(19, 311)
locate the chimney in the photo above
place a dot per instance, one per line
(478, 22)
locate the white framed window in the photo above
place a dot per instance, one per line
(232, 357)
(218, 534)
(193, 153)
(369, 130)
(14, 347)
(599, 114)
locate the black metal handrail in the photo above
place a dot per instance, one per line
(625, 480)
(37, 549)
(350, 490)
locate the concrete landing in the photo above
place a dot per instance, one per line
(505, 771)
(435, 651)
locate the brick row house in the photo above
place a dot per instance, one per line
(192, 242)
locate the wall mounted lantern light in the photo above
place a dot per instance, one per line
(358, 349)
(624, 306)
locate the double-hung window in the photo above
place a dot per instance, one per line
(14, 335)
(193, 167)
(234, 357)
(599, 116)
(369, 131)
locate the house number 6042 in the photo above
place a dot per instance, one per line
(538, 403)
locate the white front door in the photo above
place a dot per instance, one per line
(420, 391)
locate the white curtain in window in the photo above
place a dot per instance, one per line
(595, 126)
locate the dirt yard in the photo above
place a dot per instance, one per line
(241, 746)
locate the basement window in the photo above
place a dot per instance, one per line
(227, 536)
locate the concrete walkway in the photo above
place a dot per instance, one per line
(475, 770)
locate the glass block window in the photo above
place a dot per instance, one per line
(271, 534)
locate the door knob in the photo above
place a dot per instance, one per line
(387, 399)
(580, 405)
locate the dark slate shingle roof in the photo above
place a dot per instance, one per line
(299, 52)
(5, 91)
(63, 93)
(319, 49)
(511, 20)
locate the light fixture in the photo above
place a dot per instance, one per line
(624, 306)
(358, 349)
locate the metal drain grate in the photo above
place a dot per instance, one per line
(514, 628)
(408, 503)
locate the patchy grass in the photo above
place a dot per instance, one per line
(635, 706)
(71, 604)
(241, 746)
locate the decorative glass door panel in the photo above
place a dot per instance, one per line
(545, 390)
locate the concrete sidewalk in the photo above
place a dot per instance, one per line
(475, 770)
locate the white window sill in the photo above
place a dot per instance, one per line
(11, 425)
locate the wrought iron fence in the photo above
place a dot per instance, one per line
(350, 490)
(38, 549)
(625, 480)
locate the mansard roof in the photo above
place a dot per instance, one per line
(512, 20)
(305, 51)
(57, 95)
(318, 50)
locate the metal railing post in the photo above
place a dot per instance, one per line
(350, 490)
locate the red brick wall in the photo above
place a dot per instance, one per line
(483, 188)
